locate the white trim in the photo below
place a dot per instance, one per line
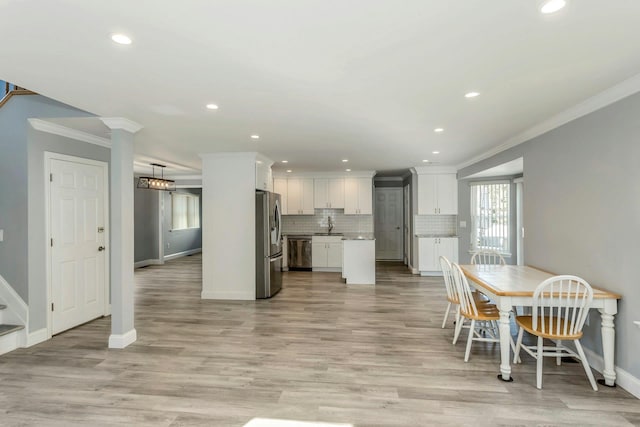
(121, 123)
(67, 132)
(421, 170)
(229, 295)
(161, 227)
(354, 174)
(518, 180)
(623, 378)
(596, 102)
(147, 262)
(48, 156)
(17, 310)
(183, 253)
(37, 337)
(387, 178)
(123, 340)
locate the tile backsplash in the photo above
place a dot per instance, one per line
(318, 223)
(438, 225)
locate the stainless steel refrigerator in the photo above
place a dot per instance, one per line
(268, 244)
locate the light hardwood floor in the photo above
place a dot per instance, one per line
(318, 351)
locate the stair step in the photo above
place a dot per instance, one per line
(7, 329)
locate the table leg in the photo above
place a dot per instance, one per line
(608, 348)
(505, 342)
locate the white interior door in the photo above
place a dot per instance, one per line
(78, 253)
(388, 223)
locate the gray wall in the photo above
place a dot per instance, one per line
(582, 210)
(146, 227)
(22, 193)
(181, 240)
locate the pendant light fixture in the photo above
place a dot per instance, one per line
(154, 183)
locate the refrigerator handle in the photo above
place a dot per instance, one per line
(274, 258)
(279, 219)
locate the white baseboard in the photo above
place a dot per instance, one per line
(229, 295)
(147, 262)
(17, 311)
(123, 340)
(9, 342)
(181, 254)
(431, 273)
(623, 378)
(37, 337)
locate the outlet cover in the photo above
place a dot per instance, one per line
(1, 235)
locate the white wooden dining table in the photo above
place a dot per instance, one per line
(512, 285)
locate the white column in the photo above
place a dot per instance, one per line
(228, 226)
(123, 332)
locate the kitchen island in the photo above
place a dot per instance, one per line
(359, 258)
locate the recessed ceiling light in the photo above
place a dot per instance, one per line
(121, 39)
(285, 161)
(435, 152)
(347, 170)
(345, 160)
(471, 94)
(438, 130)
(255, 136)
(552, 6)
(289, 170)
(212, 106)
(425, 161)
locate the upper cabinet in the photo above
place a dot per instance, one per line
(358, 196)
(280, 187)
(328, 193)
(300, 196)
(264, 180)
(437, 194)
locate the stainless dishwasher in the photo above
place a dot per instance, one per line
(299, 252)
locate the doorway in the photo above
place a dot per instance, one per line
(77, 246)
(389, 223)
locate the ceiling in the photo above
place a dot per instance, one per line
(320, 81)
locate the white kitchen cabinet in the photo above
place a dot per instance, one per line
(326, 253)
(328, 193)
(437, 194)
(359, 262)
(300, 196)
(430, 249)
(264, 179)
(358, 196)
(280, 187)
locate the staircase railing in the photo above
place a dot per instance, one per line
(7, 90)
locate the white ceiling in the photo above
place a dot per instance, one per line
(320, 81)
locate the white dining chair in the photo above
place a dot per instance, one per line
(488, 257)
(483, 316)
(560, 307)
(452, 295)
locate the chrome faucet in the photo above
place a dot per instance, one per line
(330, 224)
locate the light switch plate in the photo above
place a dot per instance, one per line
(463, 224)
(1, 235)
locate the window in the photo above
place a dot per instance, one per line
(185, 211)
(490, 226)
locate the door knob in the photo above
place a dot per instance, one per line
(397, 228)
(101, 248)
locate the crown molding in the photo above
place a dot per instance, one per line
(121, 123)
(67, 132)
(607, 97)
(422, 170)
(353, 174)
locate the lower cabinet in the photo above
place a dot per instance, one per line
(430, 249)
(326, 253)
